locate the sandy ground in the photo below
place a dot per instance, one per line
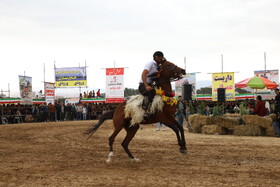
(58, 154)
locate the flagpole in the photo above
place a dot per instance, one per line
(264, 61)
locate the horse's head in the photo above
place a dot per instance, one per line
(171, 72)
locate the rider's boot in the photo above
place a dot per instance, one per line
(146, 105)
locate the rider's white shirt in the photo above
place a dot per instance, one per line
(152, 67)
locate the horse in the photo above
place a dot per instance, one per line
(123, 118)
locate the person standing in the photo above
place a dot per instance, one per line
(277, 101)
(145, 88)
(276, 123)
(85, 111)
(160, 124)
(98, 94)
(79, 110)
(260, 109)
(180, 111)
(52, 112)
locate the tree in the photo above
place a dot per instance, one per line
(130, 91)
(241, 91)
(205, 90)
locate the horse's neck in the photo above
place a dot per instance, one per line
(165, 85)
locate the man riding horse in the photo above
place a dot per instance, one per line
(146, 84)
(160, 108)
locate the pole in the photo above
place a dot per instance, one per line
(185, 63)
(44, 80)
(9, 90)
(264, 61)
(222, 63)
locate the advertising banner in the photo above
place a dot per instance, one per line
(189, 78)
(114, 85)
(70, 77)
(223, 80)
(49, 92)
(25, 88)
(271, 75)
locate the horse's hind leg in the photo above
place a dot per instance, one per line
(111, 141)
(130, 133)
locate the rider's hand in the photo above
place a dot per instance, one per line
(149, 88)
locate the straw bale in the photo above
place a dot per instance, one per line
(247, 130)
(270, 131)
(201, 120)
(213, 129)
(227, 122)
(195, 128)
(232, 115)
(264, 122)
(273, 117)
(192, 119)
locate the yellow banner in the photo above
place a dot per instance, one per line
(76, 83)
(223, 80)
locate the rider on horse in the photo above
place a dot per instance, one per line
(146, 84)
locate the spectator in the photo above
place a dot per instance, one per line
(98, 93)
(52, 112)
(85, 95)
(160, 124)
(79, 110)
(260, 109)
(57, 111)
(62, 114)
(93, 93)
(67, 110)
(277, 101)
(84, 111)
(180, 111)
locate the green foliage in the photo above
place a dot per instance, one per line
(192, 111)
(218, 110)
(243, 109)
(241, 91)
(130, 91)
(201, 108)
(204, 91)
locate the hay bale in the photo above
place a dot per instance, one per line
(213, 129)
(197, 121)
(232, 115)
(247, 130)
(270, 131)
(273, 117)
(264, 122)
(227, 122)
(203, 120)
(195, 128)
(192, 119)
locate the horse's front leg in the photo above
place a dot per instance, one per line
(182, 143)
(130, 133)
(181, 139)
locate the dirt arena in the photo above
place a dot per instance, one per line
(58, 154)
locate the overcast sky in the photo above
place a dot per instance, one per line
(128, 32)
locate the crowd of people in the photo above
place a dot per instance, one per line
(90, 111)
(54, 112)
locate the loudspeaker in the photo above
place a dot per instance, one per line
(187, 92)
(221, 94)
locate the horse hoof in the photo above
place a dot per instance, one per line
(135, 160)
(183, 151)
(108, 161)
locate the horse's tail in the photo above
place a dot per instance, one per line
(104, 117)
